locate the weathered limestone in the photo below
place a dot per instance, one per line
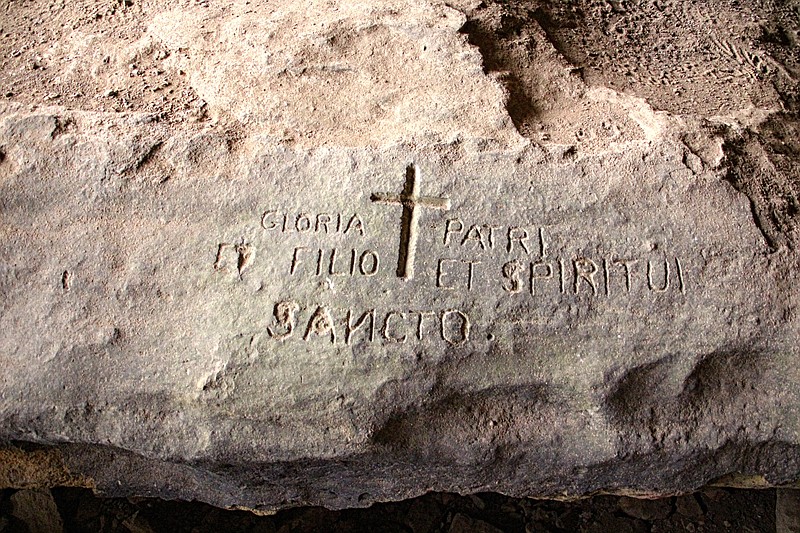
(348, 274)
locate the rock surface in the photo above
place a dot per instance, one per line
(265, 254)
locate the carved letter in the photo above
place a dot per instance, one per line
(386, 335)
(511, 271)
(474, 234)
(491, 235)
(448, 228)
(521, 238)
(320, 323)
(362, 261)
(302, 223)
(221, 263)
(352, 262)
(296, 259)
(266, 220)
(245, 257)
(534, 276)
(332, 264)
(542, 244)
(322, 222)
(420, 322)
(471, 272)
(626, 264)
(284, 313)
(463, 328)
(355, 224)
(319, 261)
(681, 284)
(350, 328)
(585, 269)
(440, 274)
(650, 277)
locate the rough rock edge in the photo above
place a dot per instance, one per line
(49, 466)
(106, 465)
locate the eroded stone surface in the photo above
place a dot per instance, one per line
(369, 264)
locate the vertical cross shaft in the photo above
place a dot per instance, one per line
(410, 199)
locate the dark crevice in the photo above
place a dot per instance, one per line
(493, 62)
(711, 509)
(148, 155)
(763, 166)
(517, 41)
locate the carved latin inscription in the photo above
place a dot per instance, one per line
(389, 326)
(593, 277)
(334, 262)
(321, 223)
(465, 263)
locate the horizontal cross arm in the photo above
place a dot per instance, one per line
(386, 198)
(436, 203)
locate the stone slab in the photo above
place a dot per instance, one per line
(344, 325)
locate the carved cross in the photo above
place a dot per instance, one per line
(410, 199)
